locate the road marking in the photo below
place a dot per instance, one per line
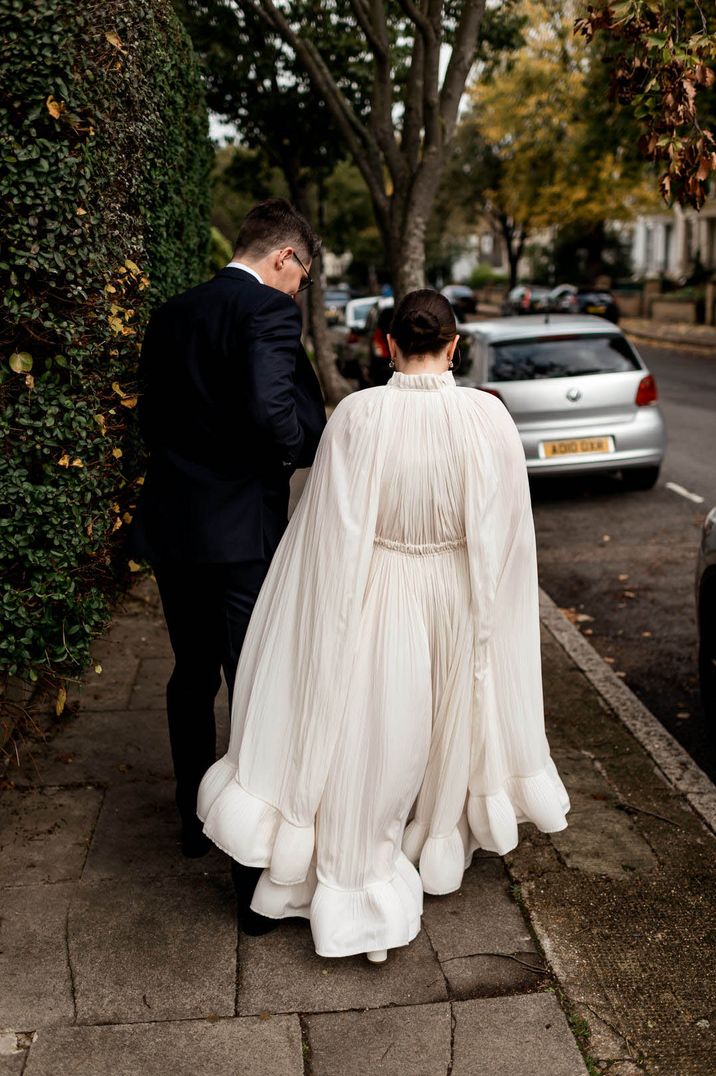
(684, 492)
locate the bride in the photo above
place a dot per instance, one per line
(387, 715)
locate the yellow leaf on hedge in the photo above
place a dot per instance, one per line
(116, 508)
(77, 462)
(132, 266)
(117, 389)
(21, 362)
(114, 39)
(117, 525)
(117, 453)
(81, 212)
(115, 324)
(98, 668)
(140, 481)
(129, 401)
(110, 288)
(127, 517)
(30, 381)
(55, 108)
(101, 422)
(133, 566)
(90, 529)
(61, 700)
(64, 461)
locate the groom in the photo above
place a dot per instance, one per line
(229, 408)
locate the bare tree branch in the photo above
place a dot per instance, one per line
(359, 139)
(418, 17)
(413, 114)
(461, 60)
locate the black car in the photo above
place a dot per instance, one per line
(569, 299)
(462, 299)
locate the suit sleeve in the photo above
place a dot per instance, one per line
(274, 335)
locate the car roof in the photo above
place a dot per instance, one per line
(359, 299)
(532, 325)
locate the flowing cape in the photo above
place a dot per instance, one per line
(259, 801)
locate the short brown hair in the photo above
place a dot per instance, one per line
(423, 323)
(275, 223)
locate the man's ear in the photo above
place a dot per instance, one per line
(283, 254)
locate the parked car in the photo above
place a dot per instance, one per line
(362, 352)
(525, 299)
(568, 299)
(462, 299)
(373, 353)
(356, 311)
(579, 392)
(349, 337)
(706, 614)
(335, 301)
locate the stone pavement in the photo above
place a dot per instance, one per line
(118, 956)
(672, 334)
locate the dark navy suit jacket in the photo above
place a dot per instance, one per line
(229, 407)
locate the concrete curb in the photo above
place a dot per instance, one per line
(668, 340)
(672, 760)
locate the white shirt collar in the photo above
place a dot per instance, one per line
(246, 268)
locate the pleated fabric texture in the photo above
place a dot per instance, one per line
(387, 717)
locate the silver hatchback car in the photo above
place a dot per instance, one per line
(579, 392)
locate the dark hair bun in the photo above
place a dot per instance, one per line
(423, 323)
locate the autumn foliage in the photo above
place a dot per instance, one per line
(104, 184)
(662, 56)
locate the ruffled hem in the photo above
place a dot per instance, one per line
(540, 798)
(490, 822)
(344, 922)
(250, 830)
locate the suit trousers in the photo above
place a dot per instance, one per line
(207, 608)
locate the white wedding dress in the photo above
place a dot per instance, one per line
(387, 713)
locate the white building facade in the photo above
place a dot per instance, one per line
(671, 242)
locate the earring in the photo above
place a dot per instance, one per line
(391, 364)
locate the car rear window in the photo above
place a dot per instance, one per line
(559, 356)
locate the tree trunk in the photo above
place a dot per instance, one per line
(334, 385)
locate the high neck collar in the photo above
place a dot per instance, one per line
(422, 381)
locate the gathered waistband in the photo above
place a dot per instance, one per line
(426, 550)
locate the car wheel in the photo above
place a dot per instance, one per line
(640, 477)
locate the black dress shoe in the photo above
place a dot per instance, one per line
(194, 843)
(250, 922)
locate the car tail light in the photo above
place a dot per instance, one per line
(646, 393)
(380, 345)
(526, 298)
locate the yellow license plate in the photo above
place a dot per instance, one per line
(596, 309)
(576, 446)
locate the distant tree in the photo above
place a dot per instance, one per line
(535, 153)
(660, 58)
(399, 136)
(252, 81)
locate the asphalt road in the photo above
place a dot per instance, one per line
(622, 564)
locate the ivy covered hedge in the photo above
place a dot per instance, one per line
(104, 188)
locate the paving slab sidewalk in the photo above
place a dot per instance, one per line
(119, 956)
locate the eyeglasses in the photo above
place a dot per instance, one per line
(307, 280)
